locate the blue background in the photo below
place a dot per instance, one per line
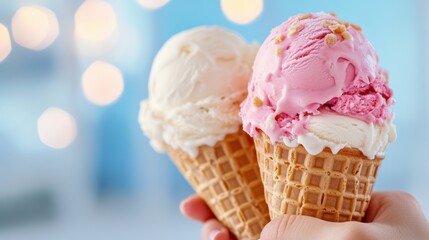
(110, 184)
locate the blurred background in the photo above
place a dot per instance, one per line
(73, 161)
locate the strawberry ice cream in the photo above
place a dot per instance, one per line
(317, 82)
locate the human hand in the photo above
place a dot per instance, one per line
(195, 208)
(390, 215)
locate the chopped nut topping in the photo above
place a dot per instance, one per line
(295, 28)
(337, 28)
(331, 39)
(327, 23)
(279, 52)
(347, 24)
(304, 16)
(357, 27)
(257, 102)
(279, 39)
(333, 14)
(386, 76)
(346, 35)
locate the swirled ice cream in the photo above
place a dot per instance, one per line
(317, 82)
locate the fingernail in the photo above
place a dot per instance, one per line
(214, 234)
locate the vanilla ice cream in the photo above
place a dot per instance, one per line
(197, 82)
(337, 132)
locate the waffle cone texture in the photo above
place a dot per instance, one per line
(332, 187)
(227, 177)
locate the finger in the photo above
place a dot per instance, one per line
(195, 208)
(213, 230)
(293, 227)
(303, 227)
(388, 207)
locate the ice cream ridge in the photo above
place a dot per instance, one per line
(319, 110)
(197, 82)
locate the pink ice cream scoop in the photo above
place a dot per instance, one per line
(313, 64)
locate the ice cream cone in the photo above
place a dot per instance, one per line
(332, 187)
(227, 177)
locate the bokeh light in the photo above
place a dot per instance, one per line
(5, 45)
(35, 27)
(242, 11)
(95, 21)
(57, 128)
(153, 4)
(102, 83)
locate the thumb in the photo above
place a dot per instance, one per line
(293, 227)
(393, 207)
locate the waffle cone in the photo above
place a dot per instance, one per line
(227, 177)
(332, 187)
